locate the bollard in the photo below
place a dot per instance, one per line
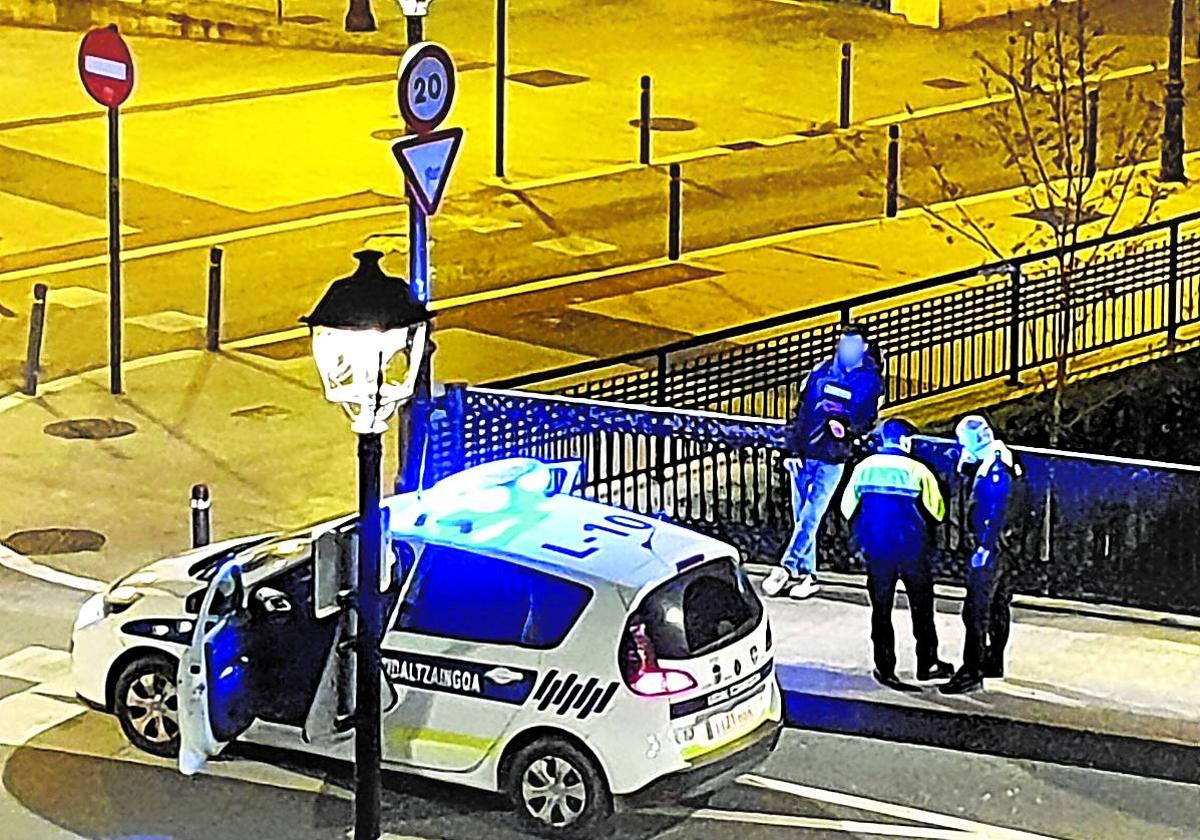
(212, 333)
(675, 214)
(644, 124)
(1093, 132)
(37, 329)
(893, 171)
(844, 109)
(201, 516)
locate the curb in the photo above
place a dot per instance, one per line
(988, 734)
(1034, 603)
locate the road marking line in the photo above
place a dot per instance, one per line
(818, 824)
(206, 241)
(21, 564)
(36, 664)
(565, 178)
(26, 715)
(903, 812)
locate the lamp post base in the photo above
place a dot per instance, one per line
(359, 18)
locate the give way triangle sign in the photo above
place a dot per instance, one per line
(426, 160)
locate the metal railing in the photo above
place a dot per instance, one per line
(1096, 528)
(980, 325)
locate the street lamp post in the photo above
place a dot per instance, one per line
(368, 339)
(359, 17)
(1172, 141)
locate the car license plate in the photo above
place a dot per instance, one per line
(737, 718)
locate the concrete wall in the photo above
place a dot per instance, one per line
(945, 13)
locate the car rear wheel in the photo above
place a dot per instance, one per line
(146, 701)
(557, 790)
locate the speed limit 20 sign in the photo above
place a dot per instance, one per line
(426, 89)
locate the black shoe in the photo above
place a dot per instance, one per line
(893, 682)
(937, 671)
(964, 681)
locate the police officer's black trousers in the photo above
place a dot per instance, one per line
(917, 574)
(986, 615)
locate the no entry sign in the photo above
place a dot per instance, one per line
(106, 67)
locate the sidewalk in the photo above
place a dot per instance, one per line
(1107, 693)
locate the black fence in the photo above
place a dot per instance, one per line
(1096, 529)
(989, 324)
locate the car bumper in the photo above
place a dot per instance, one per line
(709, 773)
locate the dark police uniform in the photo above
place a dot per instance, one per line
(891, 500)
(995, 501)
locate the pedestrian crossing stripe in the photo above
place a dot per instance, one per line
(25, 715)
(36, 664)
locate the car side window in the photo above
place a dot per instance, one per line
(456, 594)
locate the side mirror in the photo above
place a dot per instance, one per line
(272, 601)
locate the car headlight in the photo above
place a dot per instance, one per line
(120, 598)
(91, 611)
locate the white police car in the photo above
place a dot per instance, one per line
(574, 655)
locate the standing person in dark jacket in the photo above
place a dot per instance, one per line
(995, 479)
(839, 402)
(893, 501)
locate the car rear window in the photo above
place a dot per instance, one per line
(701, 610)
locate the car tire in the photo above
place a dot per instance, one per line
(146, 703)
(577, 802)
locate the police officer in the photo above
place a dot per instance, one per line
(996, 481)
(839, 403)
(892, 501)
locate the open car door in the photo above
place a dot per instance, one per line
(216, 698)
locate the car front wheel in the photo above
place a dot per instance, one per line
(146, 701)
(558, 791)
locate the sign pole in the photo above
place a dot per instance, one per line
(418, 257)
(106, 70)
(501, 73)
(114, 250)
(418, 274)
(426, 87)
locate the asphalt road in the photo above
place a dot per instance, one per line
(67, 773)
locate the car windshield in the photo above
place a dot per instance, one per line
(257, 555)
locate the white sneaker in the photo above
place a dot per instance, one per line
(775, 582)
(806, 588)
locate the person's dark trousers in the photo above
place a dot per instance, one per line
(987, 616)
(882, 574)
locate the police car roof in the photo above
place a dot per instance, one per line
(564, 535)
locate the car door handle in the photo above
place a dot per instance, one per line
(503, 676)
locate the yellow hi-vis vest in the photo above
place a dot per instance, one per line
(894, 474)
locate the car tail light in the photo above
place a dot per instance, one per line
(659, 682)
(639, 666)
